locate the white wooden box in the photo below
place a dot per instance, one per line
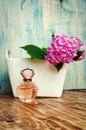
(47, 79)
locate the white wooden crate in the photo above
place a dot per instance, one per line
(47, 79)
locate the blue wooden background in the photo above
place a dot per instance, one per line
(34, 21)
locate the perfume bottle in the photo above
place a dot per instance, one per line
(27, 90)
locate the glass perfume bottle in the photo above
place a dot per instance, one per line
(27, 90)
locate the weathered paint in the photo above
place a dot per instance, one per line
(33, 21)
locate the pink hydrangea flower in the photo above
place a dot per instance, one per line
(63, 49)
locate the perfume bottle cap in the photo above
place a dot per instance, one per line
(27, 74)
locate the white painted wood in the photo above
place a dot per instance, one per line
(33, 21)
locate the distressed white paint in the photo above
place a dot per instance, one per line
(33, 21)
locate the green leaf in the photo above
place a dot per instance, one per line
(79, 53)
(59, 66)
(45, 50)
(34, 51)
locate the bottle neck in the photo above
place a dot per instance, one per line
(27, 80)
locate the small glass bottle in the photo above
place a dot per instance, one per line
(27, 91)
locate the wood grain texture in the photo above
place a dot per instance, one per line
(65, 113)
(33, 21)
